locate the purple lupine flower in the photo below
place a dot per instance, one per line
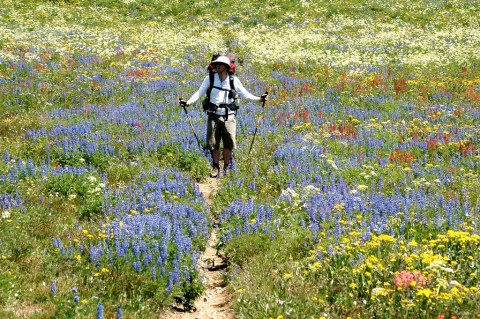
(53, 288)
(137, 265)
(119, 312)
(6, 157)
(100, 311)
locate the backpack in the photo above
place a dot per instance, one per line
(232, 93)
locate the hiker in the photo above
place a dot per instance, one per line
(222, 89)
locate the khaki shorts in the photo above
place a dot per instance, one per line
(220, 130)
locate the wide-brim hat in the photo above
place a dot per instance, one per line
(222, 59)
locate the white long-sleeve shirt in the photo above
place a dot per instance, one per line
(221, 96)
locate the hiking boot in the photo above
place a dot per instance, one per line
(214, 172)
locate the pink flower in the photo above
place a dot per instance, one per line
(407, 279)
(440, 317)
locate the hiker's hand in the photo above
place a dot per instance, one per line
(264, 97)
(182, 103)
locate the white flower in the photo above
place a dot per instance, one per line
(362, 188)
(332, 164)
(309, 189)
(92, 179)
(6, 214)
(438, 264)
(289, 192)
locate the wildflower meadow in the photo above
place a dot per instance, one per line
(359, 197)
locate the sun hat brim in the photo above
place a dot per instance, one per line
(222, 59)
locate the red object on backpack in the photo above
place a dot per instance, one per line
(232, 63)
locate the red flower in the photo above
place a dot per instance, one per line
(407, 279)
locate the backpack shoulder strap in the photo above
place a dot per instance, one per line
(232, 90)
(209, 90)
(231, 80)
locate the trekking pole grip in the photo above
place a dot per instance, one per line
(263, 102)
(182, 105)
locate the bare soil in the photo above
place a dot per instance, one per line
(215, 301)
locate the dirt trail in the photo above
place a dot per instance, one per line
(215, 301)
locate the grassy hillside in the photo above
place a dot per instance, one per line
(359, 199)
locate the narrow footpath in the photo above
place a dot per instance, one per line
(215, 301)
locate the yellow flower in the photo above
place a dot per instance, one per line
(84, 301)
(424, 292)
(287, 276)
(316, 265)
(105, 270)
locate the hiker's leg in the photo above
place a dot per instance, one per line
(216, 157)
(213, 139)
(229, 140)
(227, 156)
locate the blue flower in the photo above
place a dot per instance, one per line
(119, 312)
(100, 311)
(53, 288)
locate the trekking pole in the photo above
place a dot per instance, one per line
(191, 125)
(256, 127)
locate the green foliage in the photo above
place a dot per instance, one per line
(71, 185)
(189, 291)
